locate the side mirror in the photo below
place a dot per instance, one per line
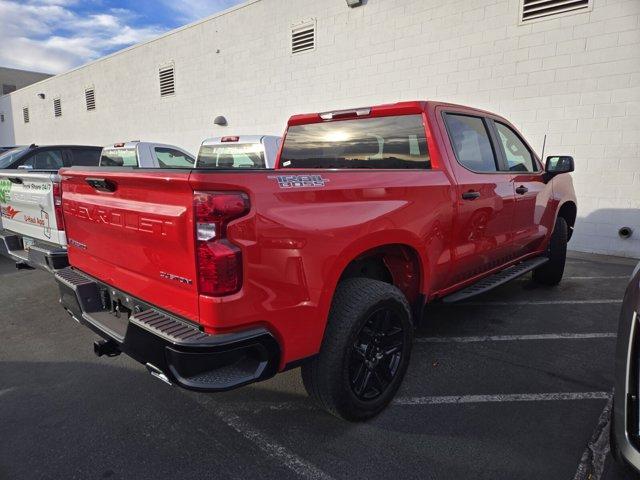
(558, 164)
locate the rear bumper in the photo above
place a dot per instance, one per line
(173, 349)
(40, 255)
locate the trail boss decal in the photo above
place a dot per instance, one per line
(299, 181)
(176, 278)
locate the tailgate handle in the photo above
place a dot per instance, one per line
(102, 184)
(17, 180)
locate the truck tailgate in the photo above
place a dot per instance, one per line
(27, 205)
(134, 230)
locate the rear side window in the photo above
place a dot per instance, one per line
(172, 158)
(45, 160)
(249, 155)
(519, 158)
(385, 142)
(85, 157)
(470, 142)
(118, 157)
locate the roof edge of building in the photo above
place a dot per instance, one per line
(141, 44)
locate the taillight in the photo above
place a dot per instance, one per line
(57, 204)
(219, 260)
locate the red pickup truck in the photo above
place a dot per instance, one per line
(216, 279)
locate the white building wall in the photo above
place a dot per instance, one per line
(575, 78)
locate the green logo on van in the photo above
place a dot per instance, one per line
(5, 188)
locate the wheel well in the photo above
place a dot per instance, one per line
(396, 264)
(569, 211)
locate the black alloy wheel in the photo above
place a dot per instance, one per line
(376, 354)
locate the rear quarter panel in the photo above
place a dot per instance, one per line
(297, 240)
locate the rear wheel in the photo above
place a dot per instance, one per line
(365, 351)
(551, 272)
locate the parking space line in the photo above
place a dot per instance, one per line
(508, 338)
(517, 397)
(7, 390)
(289, 459)
(599, 277)
(540, 302)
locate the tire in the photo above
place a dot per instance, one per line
(337, 377)
(551, 272)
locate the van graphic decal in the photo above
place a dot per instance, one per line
(5, 188)
(9, 212)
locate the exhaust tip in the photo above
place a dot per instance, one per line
(157, 373)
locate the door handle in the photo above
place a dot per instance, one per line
(521, 190)
(471, 195)
(101, 184)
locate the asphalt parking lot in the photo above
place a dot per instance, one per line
(508, 385)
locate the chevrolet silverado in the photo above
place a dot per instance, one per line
(217, 279)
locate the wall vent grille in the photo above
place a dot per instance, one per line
(167, 81)
(25, 114)
(303, 37)
(535, 9)
(90, 98)
(57, 107)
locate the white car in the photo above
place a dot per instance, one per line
(245, 151)
(139, 154)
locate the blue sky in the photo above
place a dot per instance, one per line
(57, 35)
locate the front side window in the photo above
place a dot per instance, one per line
(384, 142)
(250, 155)
(172, 158)
(119, 157)
(470, 142)
(45, 160)
(519, 158)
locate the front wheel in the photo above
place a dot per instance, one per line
(551, 272)
(365, 351)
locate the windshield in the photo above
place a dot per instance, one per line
(385, 142)
(118, 157)
(239, 155)
(8, 157)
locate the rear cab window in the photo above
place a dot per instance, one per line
(223, 156)
(393, 142)
(119, 157)
(85, 157)
(172, 158)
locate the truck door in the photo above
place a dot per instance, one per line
(532, 219)
(483, 237)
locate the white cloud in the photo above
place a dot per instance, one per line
(46, 35)
(192, 10)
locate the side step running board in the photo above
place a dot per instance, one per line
(495, 280)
